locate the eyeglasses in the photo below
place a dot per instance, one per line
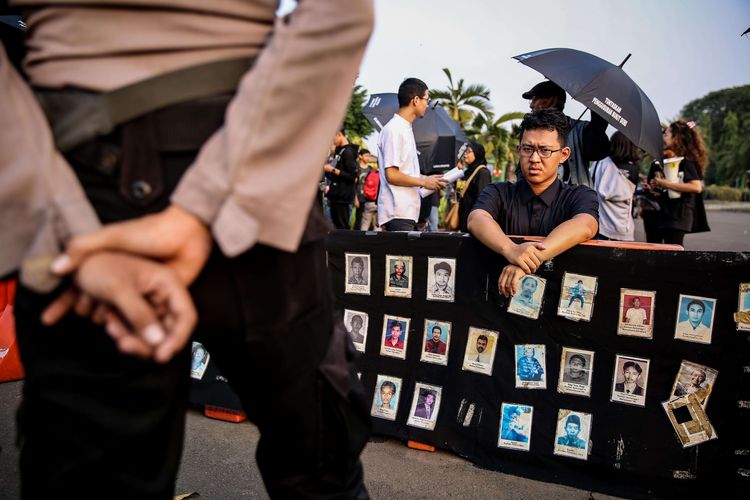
(429, 100)
(542, 152)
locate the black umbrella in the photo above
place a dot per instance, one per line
(605, 89)
(12, 33)
(439, 138)
(14, 21)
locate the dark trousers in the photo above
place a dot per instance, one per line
(340, 214)
(97, 423)
(656, 234)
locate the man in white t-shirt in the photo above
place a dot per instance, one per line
(400, 178)
(635, 315)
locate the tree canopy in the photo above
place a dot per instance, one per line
(355, 123)
(723, 118)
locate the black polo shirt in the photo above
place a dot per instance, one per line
(520, 212)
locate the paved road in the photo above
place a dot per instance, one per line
(218, 463)
(730, 231)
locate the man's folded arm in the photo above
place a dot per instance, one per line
(580, 228)
(485, 228)
(255, 179)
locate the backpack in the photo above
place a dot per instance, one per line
(371, 185)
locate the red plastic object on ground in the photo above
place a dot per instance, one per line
(420, 446)
(10, 360)
(226, 414)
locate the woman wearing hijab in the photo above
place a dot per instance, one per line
(476, 178)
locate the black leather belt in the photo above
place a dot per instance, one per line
(77, 116)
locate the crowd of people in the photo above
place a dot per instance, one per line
(391, 200)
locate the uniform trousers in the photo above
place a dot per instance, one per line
(97, 423)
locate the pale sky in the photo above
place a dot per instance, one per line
(681, 49)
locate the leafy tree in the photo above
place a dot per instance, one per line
(499, 142)
(463, 103)
(724, 120)
(355, 122)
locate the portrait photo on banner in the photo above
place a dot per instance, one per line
(576, 370)
(693, 378)
(356, 323)
(398, 275)
(436, 340)
(573, 431)
(630, 380)
(515, 426)
(357, 273)
(530, 366)
(636, 313)
(577, 296)
(200, 359)
(743, 308)
(395, 336)
(425, 406)
(480, 350)
(386, 397)
(530, 297)
(441, 279)
(695, 319)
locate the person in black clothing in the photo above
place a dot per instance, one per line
(342, 176)
(473, 159)
(537, 205)
(587, 141)
(686, 214)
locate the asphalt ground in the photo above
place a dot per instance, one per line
(219, 463)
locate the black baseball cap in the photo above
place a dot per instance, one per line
(545, 89)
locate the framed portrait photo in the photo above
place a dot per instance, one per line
(636, 313)
(695, 319)
(576, 371)
(425, 406)
(630, 380)
(357, 273)
(200, 360)
(515, 426)
(577, 297)
(743, 308)
(395, 336)
(573, 432)
(480, 350)
(530, 366)
(356, 323)
(436, 339)
(693, 378)
(528, 301)
(441, 279)
(387, 394)
(398, 275)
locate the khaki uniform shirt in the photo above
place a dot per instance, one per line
(250, 178)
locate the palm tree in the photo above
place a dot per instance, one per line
(499, 142)
(463, 103)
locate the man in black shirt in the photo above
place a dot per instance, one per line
(537, 205)
(343, 178)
